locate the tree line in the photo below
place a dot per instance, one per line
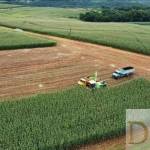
(119, 14)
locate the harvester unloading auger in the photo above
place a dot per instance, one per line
(92, 82)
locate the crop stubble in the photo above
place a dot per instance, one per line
(60, 67)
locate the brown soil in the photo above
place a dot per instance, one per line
(113, 144)
(26, 72)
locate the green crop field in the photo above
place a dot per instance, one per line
(15, 40)
(64, 22)
(69, 118)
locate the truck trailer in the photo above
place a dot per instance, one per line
(123, 72)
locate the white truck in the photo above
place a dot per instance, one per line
(126, 71)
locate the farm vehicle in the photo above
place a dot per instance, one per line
(92, 82)
(123, 72)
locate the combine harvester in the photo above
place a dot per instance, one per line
(92, 82)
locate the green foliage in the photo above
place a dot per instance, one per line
(121, 14)
(69, 118)
(14, 40)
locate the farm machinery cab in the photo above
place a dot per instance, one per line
(91, 82)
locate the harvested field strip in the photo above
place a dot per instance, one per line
(41, 67)
(118, 57)
(31, 89)
(46, 79)
(34, 89)
(49, 84)
(55, 72)
(46, 74)
(69, 61)
(57, 78)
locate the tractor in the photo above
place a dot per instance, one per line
(92, 82)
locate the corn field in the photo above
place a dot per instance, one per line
(69, 118)
(14, 40)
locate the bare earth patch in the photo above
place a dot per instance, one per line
(113, 144)
(60, 67)
(26, 72)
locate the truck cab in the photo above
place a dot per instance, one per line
(118, 73)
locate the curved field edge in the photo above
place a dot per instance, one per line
(70, 118)
(15, 40)
(56, 21)
(124, 38)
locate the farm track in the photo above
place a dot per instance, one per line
(107, 145)
(59, 67)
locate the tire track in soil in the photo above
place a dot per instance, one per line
(21, 68)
